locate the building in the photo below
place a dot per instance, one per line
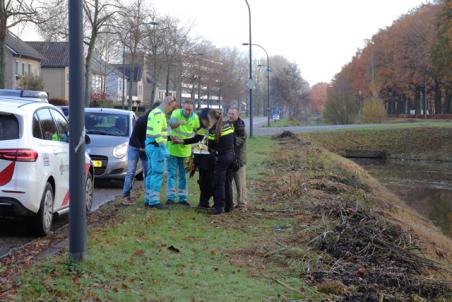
(21, 60)
(140, 83)
(105, 78)
(54, 67)
(108, 79)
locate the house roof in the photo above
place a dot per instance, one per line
(137, 74)
(55, 54)
(21, 49)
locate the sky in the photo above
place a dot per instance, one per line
(320, 35)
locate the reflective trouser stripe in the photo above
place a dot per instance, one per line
(153, 183)
(177, 176)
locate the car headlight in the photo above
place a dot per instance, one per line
(120, 150)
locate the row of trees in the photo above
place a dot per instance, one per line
(408, 66)
(177, 60)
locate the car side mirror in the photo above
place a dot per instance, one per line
(87, 139)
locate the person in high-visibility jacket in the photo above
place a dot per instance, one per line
(156, 151)
(221, 145)
(183, 123)
(203, 160)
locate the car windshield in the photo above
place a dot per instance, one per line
(9, 127)
(107, 123)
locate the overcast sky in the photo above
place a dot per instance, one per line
(320, 35)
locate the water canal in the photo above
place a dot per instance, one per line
(424, 186)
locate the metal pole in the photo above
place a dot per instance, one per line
(268, 79)
(199, 84)
(123, 74)
(268, 92)
(77, 177)
(251, 70)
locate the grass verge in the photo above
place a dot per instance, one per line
(285, 122)
(419, 141)
(175, 255)
(321, 228)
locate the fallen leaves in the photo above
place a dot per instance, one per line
(138, 253)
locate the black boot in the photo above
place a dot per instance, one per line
(215, 211)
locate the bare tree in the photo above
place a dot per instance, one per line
(99, 14)
(12, 13)
(98, 17)
(134, 20)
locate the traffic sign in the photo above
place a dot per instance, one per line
(251, 84)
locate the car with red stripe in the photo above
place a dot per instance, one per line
(34, 163)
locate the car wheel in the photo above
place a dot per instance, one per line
(89, 191)
(140, 176)
(43, 220)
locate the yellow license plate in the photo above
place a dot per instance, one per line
(97, 163)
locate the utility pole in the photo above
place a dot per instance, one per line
(123, 74)
(77, 174)
(251, 70)
(268, 68)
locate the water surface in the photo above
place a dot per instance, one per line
(424, 186)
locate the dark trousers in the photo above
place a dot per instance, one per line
(205, 182)
(223, 181)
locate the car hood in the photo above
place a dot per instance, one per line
(100, 141)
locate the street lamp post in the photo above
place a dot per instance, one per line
(251, 70)
(77, 177)
(199, 54)
(123, 75)
(268, 79)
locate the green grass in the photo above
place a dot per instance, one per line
(175, 255)
(133, 261)
(285, 122)
(418, 141)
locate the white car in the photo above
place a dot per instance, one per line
(34, 162)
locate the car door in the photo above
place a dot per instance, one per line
(63, 155)
(54, 155)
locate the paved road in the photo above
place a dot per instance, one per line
(14, 233)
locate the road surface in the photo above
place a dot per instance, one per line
(14, 233)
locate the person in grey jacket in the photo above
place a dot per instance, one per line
(240, 153)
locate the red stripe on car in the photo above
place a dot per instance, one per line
(7, 174)
(66, 199)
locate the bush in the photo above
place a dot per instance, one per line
(373, 111)
(58, 102)
(101, 104)
(100, 99)
(340, 109)
(31, 82)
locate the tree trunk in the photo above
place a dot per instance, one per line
(131, 80)
(417, 100)
(437, 98)
(447, 99)
(154, 75)
(3, 49)
(168, 71)
(424, 103)
(88, 73)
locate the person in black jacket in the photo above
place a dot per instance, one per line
(135, 152)
(239, 174)
(221, 145)
(203, 160)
